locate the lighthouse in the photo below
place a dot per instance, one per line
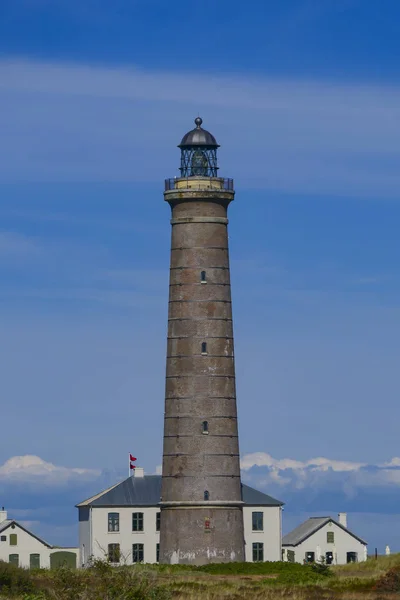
(201, 500)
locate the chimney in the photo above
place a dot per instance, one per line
(139, 472)
(3, 515)
(343, 519)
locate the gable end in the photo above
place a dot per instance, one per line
(16, 524)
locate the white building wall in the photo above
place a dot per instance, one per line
(150, 537)
(84, 535)
(26, 545)
(344, 542)
(270, 536)
(101, 537)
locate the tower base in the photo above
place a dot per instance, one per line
(201, 535)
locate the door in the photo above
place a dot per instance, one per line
(63, 558)
(329, 558)
(13, 559)
(34, 561)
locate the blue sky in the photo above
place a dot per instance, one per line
(304, 98)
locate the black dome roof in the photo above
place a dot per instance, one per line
(198, 137)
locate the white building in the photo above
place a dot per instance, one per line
(25, 549)
(122, 523)
(324, 537)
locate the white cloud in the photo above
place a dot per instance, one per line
(395, 462)
(262, 459)
(81, 123)
(258, 468)
(262, 468)
(34, 469)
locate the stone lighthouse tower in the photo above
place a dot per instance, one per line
(201, 503)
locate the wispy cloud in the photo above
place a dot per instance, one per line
(151, 279)
(15, 246)
(77, 122)
(74, 270)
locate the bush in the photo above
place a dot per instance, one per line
(389, 582)
(14, 580)
(251, 568)
(321, 568)
(104, 582)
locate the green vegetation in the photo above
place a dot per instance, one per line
(373, 580)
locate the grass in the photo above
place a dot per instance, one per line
(369, 568)
(372, 580)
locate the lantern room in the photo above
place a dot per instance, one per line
(198, 152)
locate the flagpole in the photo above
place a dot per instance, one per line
(131, 467)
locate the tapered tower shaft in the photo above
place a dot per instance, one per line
(201, 507)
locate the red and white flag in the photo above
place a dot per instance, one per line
(131, 460)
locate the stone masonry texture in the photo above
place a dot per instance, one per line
(201, 507)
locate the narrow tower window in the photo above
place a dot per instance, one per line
(204, 348)
(206, 495)
(203, 277)
(204, 426)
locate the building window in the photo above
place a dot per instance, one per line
(204, 348)
(204, 427)
(310, 557)
(158, 521)
(258, 552)
(157, 552)
(113, 522)
(137, 521)
(114, 553)
(203, 277)
(351, 557)
(13, 539)
(206, 495)
(330, 537)
(258, 521)
(290, 556)
(137, 553)
(3, 538)
(13, 559)
(34, 561)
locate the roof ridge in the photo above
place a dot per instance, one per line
(305, 529)
(99, 494)
(146, 491)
